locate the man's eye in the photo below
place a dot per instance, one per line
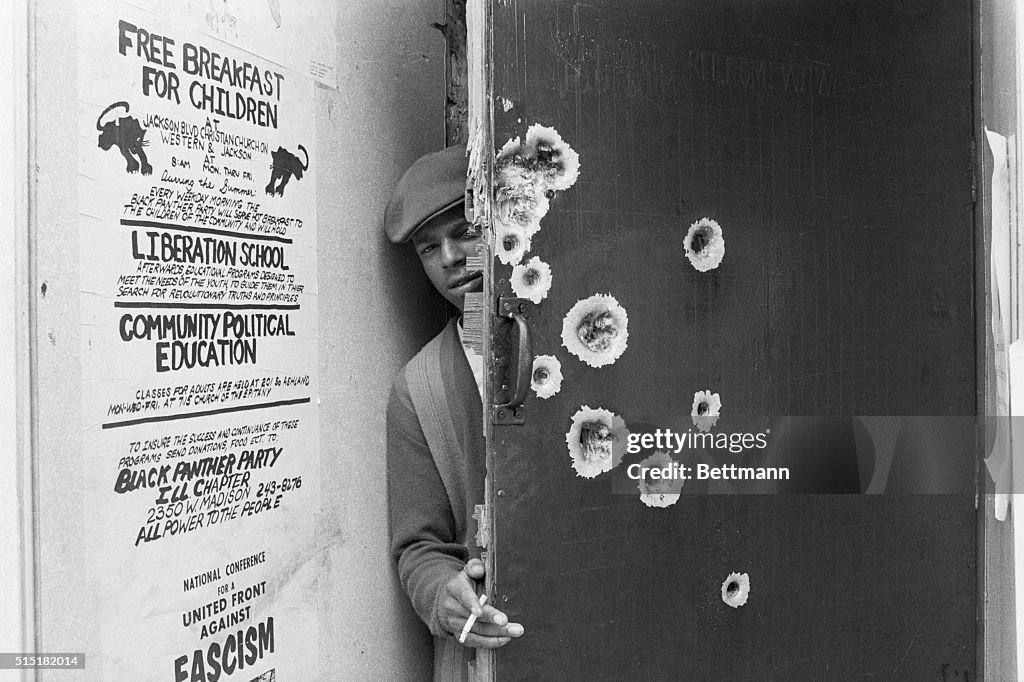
(427, 249)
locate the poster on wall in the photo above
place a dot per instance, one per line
(197, 244)
(297, 35)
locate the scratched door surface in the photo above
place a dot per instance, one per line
(831, 142)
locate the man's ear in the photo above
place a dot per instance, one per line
(411, 305)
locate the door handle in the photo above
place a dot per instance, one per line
(512, 411)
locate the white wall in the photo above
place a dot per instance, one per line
(376, 310)
(63, 620)
(375, 305)
(15, 600)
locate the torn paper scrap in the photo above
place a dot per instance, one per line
(999, 461)
(482, 538)
(1015, 465)
(596, 441)
(596, 330)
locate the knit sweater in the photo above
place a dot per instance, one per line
(431, 495)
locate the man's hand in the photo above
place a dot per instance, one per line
(491, 629)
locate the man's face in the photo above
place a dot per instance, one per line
(443, 245)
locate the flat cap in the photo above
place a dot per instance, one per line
(434, 183)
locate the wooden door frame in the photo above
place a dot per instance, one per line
(996, 641)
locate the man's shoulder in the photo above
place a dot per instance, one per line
(430, 350)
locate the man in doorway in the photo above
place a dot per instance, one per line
(435, 445)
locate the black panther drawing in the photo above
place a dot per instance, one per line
(129, 136)
(285, 165)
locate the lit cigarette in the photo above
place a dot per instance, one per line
(472, 619)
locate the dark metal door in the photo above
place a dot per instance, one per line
(831, 143)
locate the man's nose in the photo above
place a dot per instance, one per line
(451, 253)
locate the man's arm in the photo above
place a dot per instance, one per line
(423, 542)
(431, 562)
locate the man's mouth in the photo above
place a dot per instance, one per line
(468, 282)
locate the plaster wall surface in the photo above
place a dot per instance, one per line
(376, 309)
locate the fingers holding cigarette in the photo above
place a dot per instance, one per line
(477, 623)
(471, 620)
(490, 629)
